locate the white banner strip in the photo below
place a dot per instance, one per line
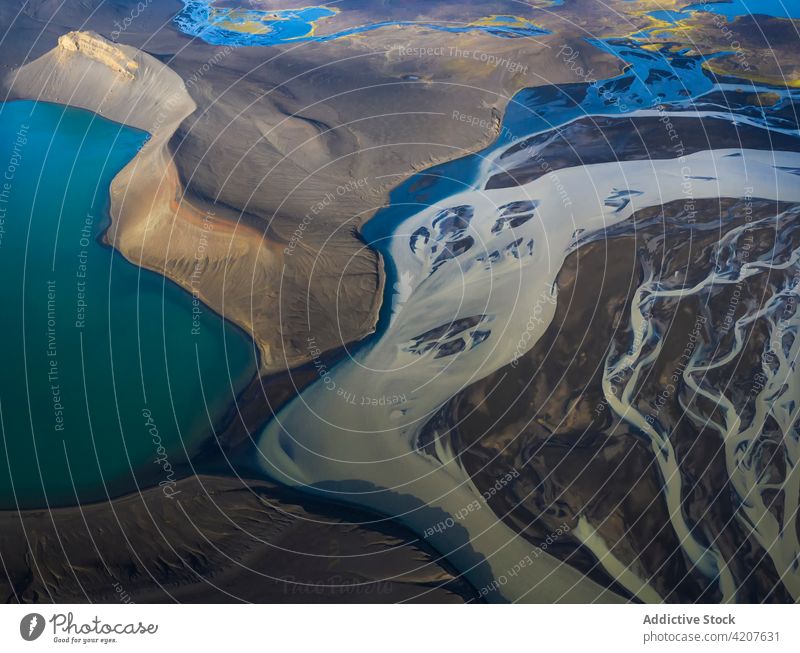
(399, 629)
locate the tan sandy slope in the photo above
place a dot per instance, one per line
(262, 140)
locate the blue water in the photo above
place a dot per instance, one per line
(111, 378)
(735, 8)
(537, 109)
(668, 16)
(650, 79)
(776, 8)
(200, 19)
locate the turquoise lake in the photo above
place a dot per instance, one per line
(109, 383)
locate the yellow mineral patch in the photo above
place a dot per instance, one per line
(247, 21)
(248, 26)
(773, 80)
(658, 28)
(496, 20)
(765, 99)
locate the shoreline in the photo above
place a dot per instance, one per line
(149, 185)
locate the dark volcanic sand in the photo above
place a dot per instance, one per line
(547, 418)
(218, 540)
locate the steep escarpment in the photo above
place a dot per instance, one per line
(116, 81)
(154, 223)
(221, 254)
(263, 163)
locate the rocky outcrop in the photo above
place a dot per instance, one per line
(116, 81)
(97, 48)
(219, 254)
(154, 223)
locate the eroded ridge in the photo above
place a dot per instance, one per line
(92, 46)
